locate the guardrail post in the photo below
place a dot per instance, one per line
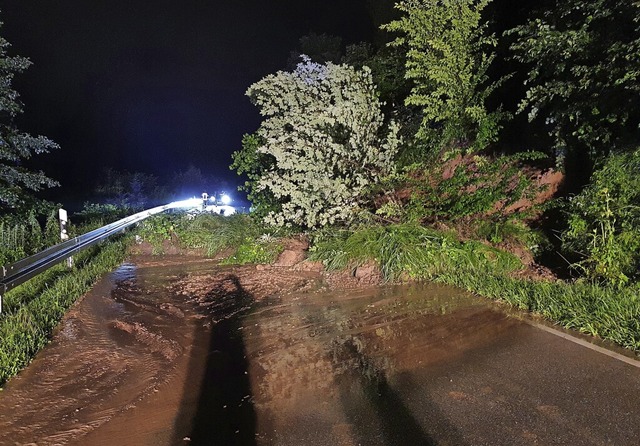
(64, 235)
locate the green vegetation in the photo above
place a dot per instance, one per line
(420, 253)
(583, 66)
(264, 249)
(17, 182)
(325, 140)
(253, 164)
(241, 238)
(126, 192)
(393, 154)
(593, 309)
(32, 310)
(95, 215)
(604, 222)
(473, 187)
(409, 250)
(22, 239)
(449, 52)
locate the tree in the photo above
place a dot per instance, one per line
(387, 65)
(325, 133)
(252, 163)
(583, 60)
(127, 190)
(448, 54)
(16, 147)
(191, 182)
(320, 48)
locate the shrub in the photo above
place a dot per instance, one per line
(604, 221)
(255, 250)
(449, 52)
(324, 133)
(248, 240)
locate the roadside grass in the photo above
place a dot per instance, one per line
(411, 251)
(247, 240)
(33, 309)
(408, 250)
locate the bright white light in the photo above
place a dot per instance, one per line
(227, 210)
(220, 210)
(190, 203)
(225, 199)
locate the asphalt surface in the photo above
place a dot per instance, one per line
(195, 354)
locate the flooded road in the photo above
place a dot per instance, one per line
(192, 353)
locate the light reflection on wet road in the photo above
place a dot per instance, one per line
(149, 358)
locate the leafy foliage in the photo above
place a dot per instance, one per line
(583, 60)
(604, 221)
(96, 215)
(251, 250)
(22, 239)
(244, 237)
(448, 55)
(16, 147)
(388, 70)
(253, 164)
(320, 48)
(324, 130)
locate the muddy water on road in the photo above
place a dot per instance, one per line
(192, 353)
(324, 365)
(114, 351)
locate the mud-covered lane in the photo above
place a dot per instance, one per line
(186, 352)
(128, 362)
(115, 349)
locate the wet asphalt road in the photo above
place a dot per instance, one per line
(224, 364)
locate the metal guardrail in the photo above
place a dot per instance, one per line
(29, 267)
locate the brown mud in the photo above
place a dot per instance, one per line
(177, 350)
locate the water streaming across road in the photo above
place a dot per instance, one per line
(194, 353)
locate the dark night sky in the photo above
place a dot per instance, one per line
(154, 86)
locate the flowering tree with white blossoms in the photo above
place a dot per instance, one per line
(324, 132)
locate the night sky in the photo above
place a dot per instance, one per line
(154, 86)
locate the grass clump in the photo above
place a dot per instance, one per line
(264, 249)
(248, 240)
(408, 249)
(597, 310)
(33, 309)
